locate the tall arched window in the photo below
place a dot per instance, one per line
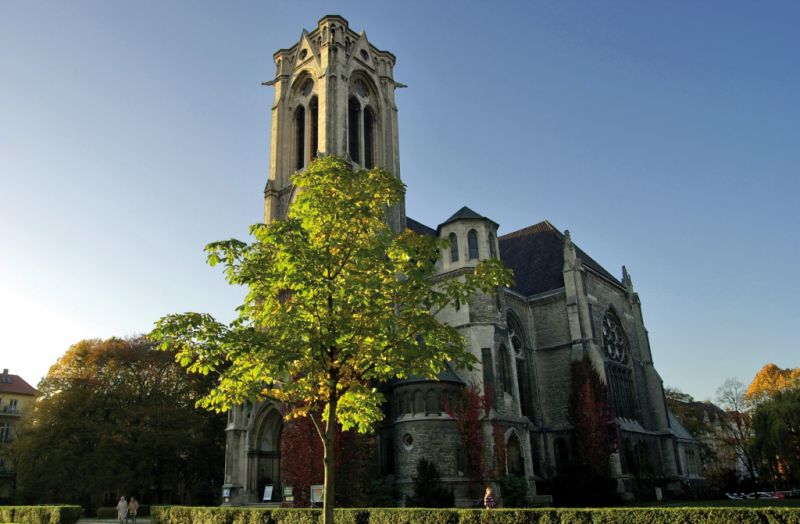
(517, 336)
(619, 374)
(472, 243)
(504, 368)
(300, 136)
(354, 134)
(369, 126)
(492, 246)
(453, 247)
(313, 109)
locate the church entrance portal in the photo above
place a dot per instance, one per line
(266, 456)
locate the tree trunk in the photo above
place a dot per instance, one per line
(330, 463)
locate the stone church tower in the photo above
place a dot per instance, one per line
(334, 94)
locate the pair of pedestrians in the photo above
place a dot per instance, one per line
(127, 510)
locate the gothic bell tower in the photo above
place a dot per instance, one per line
(334, 94)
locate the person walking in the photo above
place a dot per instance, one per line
(122, 509)
(488, 499)
(133, 507)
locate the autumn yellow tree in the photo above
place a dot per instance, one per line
(771, 380)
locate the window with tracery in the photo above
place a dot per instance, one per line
(492, 246)
(619, 374)
(362, 123)
(614, 342)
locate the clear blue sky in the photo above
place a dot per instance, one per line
(664, 135)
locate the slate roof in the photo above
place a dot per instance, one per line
(536, 255)
(677, 428)
(14, 384)
(419, 228)
(446, 375)
(465, 213)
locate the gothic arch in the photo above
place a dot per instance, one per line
(473, 253)
(619, 372)
(304, 105)
(515, 459)
(264, 453)
(364, 122)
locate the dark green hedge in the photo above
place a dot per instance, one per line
(40, 514)
(233, 515)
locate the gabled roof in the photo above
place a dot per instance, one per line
(465, 213)
(419, 228)
(677, 428)
(445, 375)
(14, 384)
(536, 255)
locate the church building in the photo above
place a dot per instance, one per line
(335, 94)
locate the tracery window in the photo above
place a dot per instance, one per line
(614, 342)
(362, 123)
(472, 243)
(453, 247)
(618, 371)
(492, 246)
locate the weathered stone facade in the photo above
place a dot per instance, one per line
(334, 94)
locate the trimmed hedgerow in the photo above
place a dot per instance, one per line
(689, 515)
(40, 514)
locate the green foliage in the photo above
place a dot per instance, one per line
(683, 515)
(776, 440)
(428, 489)
(116, 415)
(40, 514)
(513, 488)
(336, 304)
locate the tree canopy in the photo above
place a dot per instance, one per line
(337, 303)
(115, 416)
(770, 380)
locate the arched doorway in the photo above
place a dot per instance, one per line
(514, 462)
(267, 455)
